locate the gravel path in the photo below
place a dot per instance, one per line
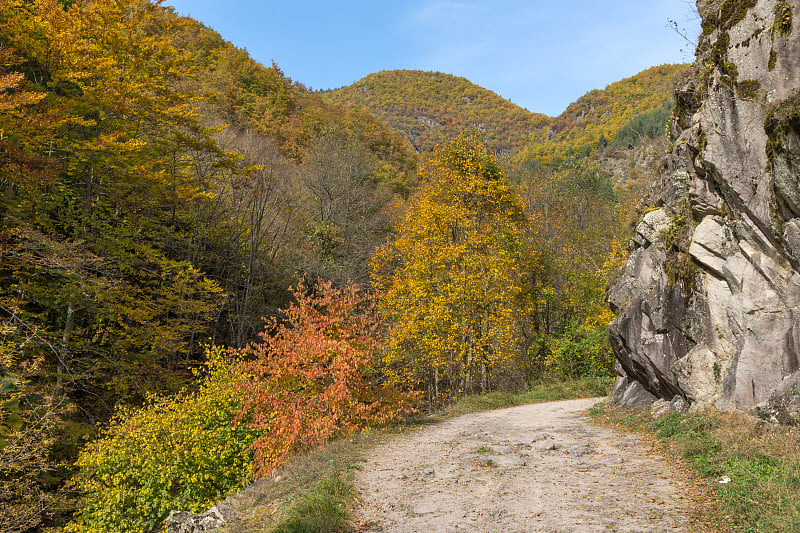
(542, 467)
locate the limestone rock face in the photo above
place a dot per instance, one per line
(708, 304)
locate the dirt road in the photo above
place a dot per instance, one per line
(542, 467)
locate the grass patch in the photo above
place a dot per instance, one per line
(324, 507)
(312, 492)
(541, 391)
(761, 460)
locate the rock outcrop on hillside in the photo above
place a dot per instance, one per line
(708, 305)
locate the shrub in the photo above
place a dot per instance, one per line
(313, 375)
(183, 452)
(582, 350)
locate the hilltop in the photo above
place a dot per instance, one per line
(433, 107)
(430, 108)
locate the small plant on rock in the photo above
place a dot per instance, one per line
(783, 19)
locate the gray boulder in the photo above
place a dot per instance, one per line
(186, 522)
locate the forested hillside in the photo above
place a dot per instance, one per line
(207, 268)
(433, 107)
(160, 191)
(244, 93)
(622, 114)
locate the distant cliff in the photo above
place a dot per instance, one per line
(708, 303)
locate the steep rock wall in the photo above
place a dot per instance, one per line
(708, 304)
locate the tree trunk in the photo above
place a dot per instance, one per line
(61, 366)
(436, 385)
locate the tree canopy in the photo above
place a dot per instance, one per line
(450, 277)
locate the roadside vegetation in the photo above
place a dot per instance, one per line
(454, 301)
(748, 470)
(543, 390)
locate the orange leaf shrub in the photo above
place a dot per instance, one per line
(313, 375)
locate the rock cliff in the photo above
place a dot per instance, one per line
(708, 304)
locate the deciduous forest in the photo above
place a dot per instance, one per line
(207, 267)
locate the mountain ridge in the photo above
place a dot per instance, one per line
(429, 106)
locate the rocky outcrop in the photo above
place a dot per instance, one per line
(708, 304)
(186, 522)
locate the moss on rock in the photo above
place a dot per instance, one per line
(748, 89)
(782, 26)
(781, 119)
(724, 14)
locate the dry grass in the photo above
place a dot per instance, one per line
(312, 492)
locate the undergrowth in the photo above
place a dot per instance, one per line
(313, 492)
(324, 507)
(750, 469)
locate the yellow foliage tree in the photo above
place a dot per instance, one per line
(450, 278)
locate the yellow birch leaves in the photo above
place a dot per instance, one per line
(449, 280)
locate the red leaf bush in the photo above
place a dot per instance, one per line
(314, 376)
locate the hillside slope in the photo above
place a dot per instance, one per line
(243, 93)
(159, 189)
(600, 116)
(432, 107)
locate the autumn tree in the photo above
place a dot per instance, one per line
(346, 206)
(600, 116)
(313, 375)
(93, 298)
(29, 421)
(129, 236)
(449, 280)
(116, 192)
(244, 230)
(578, 221)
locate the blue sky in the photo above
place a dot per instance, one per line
(540, 54)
